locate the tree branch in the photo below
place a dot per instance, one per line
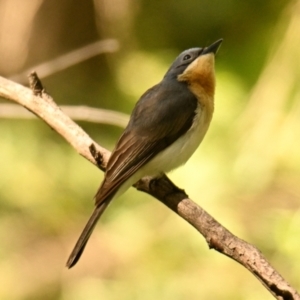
(78, 113)
(69, 59)
(217, 237)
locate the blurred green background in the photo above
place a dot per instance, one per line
(246, 173)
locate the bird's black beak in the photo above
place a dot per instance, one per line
(213, 48)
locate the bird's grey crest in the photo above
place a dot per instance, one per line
(182, 61)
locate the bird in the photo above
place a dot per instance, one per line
(166, 126)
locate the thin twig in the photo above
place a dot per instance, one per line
(78, 113)
(217, 237)
(67, 60)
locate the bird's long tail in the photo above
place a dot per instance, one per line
(86, 233)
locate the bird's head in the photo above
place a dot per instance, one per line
(195, 66)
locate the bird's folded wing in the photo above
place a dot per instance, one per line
(148, 133)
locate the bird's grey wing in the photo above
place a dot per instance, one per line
(160, 117)
(152, 128)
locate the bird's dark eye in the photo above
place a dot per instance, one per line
(186, 57)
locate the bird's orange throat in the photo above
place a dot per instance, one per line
(200, 77)
(201, 74)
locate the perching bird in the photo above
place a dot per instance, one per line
(165, 128)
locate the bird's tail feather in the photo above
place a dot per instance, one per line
(86, 233)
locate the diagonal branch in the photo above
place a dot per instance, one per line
(69, 59)
(217, 237)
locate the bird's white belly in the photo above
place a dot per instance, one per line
(176, 154)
